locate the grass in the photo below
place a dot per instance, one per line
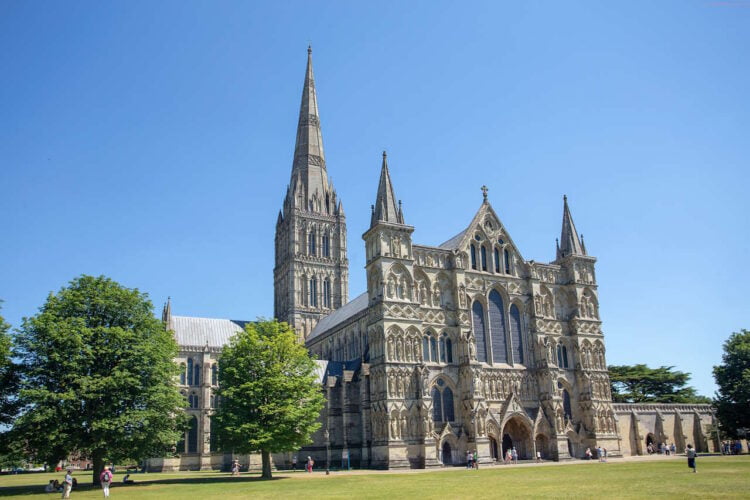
(717, 477)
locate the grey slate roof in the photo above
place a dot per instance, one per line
(189, 331)
(452, 243)
(340, 315)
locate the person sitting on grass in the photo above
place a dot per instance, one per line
(50, 488)
(127, 480)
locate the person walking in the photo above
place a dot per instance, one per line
(514, 455)
(294, 463)
(105, 478)
(691, 456)
(469, 456)
(508, 456)
(67, 485)
(476, 460)
(310, 463)
(538, 456)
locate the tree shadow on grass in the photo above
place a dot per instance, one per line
(38, 489)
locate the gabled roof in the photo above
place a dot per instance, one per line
(198, 332)
(340, 315)
(462, 239)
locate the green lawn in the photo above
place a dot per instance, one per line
(717, 477)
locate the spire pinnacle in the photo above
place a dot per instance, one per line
(385, 204)
(309, 164)
(166, 313)
(570, 243)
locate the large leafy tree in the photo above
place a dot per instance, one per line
(270, 400)
(98, 376)
(641, 384)
(733, 378)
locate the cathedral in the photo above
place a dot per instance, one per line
(462, 347)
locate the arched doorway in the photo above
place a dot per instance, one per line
(493, 448)
(650, 445)
(517, 433)
(447, 454)
(542, 446)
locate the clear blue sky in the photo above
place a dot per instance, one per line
(152, 142)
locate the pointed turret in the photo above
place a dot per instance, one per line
(385, 203)
(570, 243)
(166, 313)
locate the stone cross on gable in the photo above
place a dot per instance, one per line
(484, 192)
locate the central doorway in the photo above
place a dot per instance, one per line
(447, 455)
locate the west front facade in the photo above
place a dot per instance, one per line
(462, 347)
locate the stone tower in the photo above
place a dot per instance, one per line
(311, 275)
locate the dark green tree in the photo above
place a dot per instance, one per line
(641, 384)
(733, 378)
(9, 455)
(270, 399)
(8, 377)
(98, 377)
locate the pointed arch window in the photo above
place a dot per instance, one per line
(197, 376)
(516, 336)
(498, 333)
(433, 349)
(506, 258)
(311, 243)
(473, 251)
(477, 316)
(497, 261)
(426, 348)
(566, 405)
(446, 349)
(562, 356)
(437, 405)
(326, 245)
(442, 402)
(327, 293)
(313, 292)
(483, 253)
(182, 373)
(214, 374)
(193, 436)
(190, 371)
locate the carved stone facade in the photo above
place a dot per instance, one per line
(463, 346)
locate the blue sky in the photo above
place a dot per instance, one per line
(152, 142)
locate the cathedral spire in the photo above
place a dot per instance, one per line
(309, 164)
(385, 204)
(570, 243)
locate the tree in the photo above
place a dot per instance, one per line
(8, 397)
(98, 377)
(8, 377)
(733, 379)
(269, 397)
(641, 384)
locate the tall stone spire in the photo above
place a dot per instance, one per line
(309, 179)
(570, 243)
(385, 209)
(311, 276)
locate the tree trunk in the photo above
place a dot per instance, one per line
(98, 459)
(266, 464)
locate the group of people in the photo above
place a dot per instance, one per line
(662, 448)
(69, 483)
(472, 459)
(511, 456)
(731, 448)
